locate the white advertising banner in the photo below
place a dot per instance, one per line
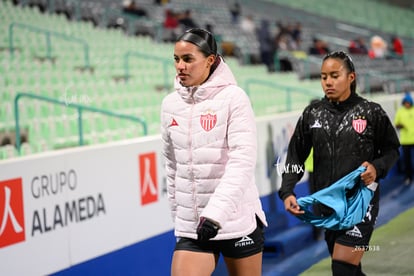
(273, 140)
(63, 208)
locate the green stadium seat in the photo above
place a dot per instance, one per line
(8, 151)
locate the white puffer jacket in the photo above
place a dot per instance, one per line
(209, 135)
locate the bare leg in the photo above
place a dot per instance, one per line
(346, 261)
(189, 263)
(347, 254)
(248, 266)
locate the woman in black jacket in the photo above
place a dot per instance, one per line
(345, 131)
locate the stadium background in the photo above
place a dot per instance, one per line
(110, 63)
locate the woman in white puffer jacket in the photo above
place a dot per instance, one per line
(209, 134)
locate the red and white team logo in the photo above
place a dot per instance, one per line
(148, 178)
(208, 121)
(11, 212)
(359, 124)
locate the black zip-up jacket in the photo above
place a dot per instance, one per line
(343, 136)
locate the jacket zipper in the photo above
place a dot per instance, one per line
(191, 161)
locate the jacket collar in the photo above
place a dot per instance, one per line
(353, 99)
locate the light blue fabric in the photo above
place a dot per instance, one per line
(347, 211)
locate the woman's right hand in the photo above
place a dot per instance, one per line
(291, 205)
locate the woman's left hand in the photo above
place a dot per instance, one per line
(370, 174)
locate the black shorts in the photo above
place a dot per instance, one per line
(358, 236)
(234, 248)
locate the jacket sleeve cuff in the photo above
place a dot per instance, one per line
(209, 214)
(283, 194)
(373, 186)
(379, 171)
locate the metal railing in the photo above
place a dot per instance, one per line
(288, 90)
(80, 108)
(48, 34)
(166, 63)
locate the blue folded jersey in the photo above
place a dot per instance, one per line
(348, 211)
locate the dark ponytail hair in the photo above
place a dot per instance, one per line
(347, 61)
(205, 42)
(201, 38)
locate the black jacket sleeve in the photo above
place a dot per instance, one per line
(387, 145)
(299, 148)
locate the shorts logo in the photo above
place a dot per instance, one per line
(359, 124)
(208, 121)
(148, 178)
(354, 232)
(11, 212)
(245, 241)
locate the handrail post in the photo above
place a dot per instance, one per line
(288, 99)
(16, 119)
(247, 87)
(11, 34)
(86, 54)
(145, 127)
(126, 64)
(276, 62)
(165, 71)
(307, 68)
(367, 83)
(158, 32)
(51, 7)
(399, 85)
(80, 126)
(48, 45)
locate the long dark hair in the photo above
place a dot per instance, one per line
(347, 61)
